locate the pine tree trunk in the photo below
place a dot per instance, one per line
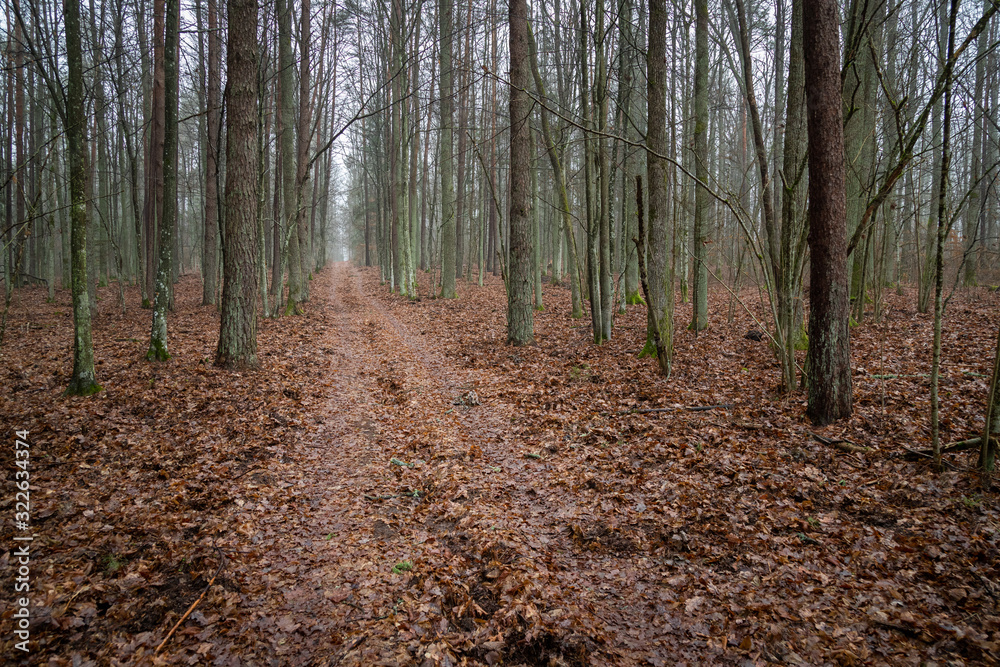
(829, 362)
(520, 316)
(699, 317)
(238, 327)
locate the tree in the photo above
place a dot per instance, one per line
(164, 283)
(152, 211)
(303, 137)
(210, 255)
(660, 288)
(520, 313)
(991, 431)
(829, 361)
(238, 327)
(445, 14)
(286, 144)
(565, 213)
(83, 382)
(699, 316)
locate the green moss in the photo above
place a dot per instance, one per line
(87, 389)
(635, 299)
(648, 350)
(157, 351)
(146, 304)
(802, 342)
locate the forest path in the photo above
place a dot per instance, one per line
(413, 471)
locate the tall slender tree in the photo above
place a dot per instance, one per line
(659, 278)
(238, 326)
(699, 314)
(164, 283)
(445, 21)
(520, 313)
(829, 361)
(210, 254)
(83, 381)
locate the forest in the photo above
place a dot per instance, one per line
(583, 332)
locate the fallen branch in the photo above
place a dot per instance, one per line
(960, 446)
(194, 604)
(841, 444)
(689, 408)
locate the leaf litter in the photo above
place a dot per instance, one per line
(396, 485)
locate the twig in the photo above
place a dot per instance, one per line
(701, 408)
(374, 498)
(841, 444)
(959, 446)
(691, 408)
(193, 604)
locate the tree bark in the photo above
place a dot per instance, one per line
(152, 211)
(303, 137)
(520, 316)
(238, 327)
(830, 395)
(286, 144)
(158, 350)
(83, 382)
(660, 281)
(210, 253)
(445, 15)
(699, 316)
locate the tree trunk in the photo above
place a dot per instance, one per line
(83, 381)
(238, 327)
(286, 144)
(520, 316)
(303, 137)
(209, 251)
(794, 227)
(161, 296)
(152, 211)
(699, 316)
(448, 269)
(991, 431)
(560, 184)
(943, 227)
(660, 291)
(830, 396)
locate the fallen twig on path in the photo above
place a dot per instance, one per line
(194, 604)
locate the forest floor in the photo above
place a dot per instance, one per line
(398, 486)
